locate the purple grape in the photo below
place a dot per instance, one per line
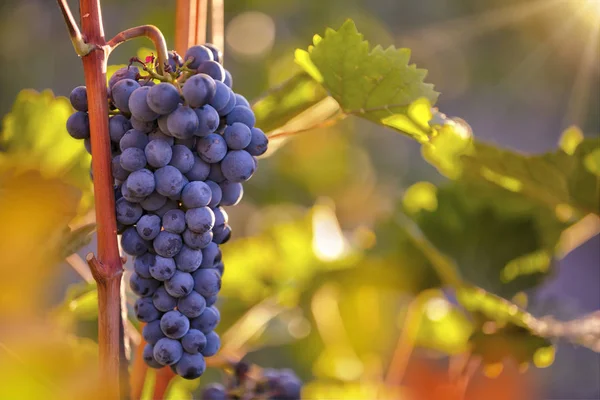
(214, 391)
(217, 55)
(162, 125)
(142, 264)
(212, 69)
(162, 300)
(190, 366)
(183, 122)
(143, 126)
(191, 305)
(221, 97)
(153, 202)
(197, 54)
(148, 226)
(158, 153)
(117, 126)
(211, 300)
(174, 324)
(188, 259)
(213, 344)
(217, 194)
(148, 356)
(174, 61)
(208, 120)
(200, 219)
(167, 351)
(167, 244)
(211, 148)
(181, 284)
(196, 194)
(207, 321)
(127, 213)
(78, 98)
(259, 142)
(221, 217)
(182, 159)
(121, 92)
(78, 125)
(140, 182)
(207, 282)
(241, 114)
(138, 105)
(132, 243)
(163, 268)
(227, 109)
(158, 134)
(238, 166)
(199, 171)
(145, 310)
(237, 136)
(194, 341)
(174, 221)
(129, 195)
(133, 138)
(211, 254)
(198, 90)
(228, 79)
(133, 159)
(169, 205)
(232, 193)
(195, 240)
(141, 286)
(222, 234)
(123, 73)
(216, 174)
(241, 101)
(163, 98)
(169, 181)
(152, 332)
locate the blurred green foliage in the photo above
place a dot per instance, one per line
(329, 260)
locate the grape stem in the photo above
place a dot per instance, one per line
(81, 47)
(149, 31)
(106, 266)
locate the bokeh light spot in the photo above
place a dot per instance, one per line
(250, 34)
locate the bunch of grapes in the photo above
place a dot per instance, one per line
(181, 149)
(271, 384)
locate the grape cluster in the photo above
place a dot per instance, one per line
(181, 149)
(272, 384)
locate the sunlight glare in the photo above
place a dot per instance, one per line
(329, 243)
(595, 5)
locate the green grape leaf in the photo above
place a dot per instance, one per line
(498, 239)
(286, 101)
(566, 180)
(553, 179)
(505, 330)
(377, 84)
(34, 137)
(503, 322)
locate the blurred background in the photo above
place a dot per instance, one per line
(315, 260)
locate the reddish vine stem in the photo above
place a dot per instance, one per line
(163, 379)
(149, 31)
(186, 18)
(106, 267)
(139, 370)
